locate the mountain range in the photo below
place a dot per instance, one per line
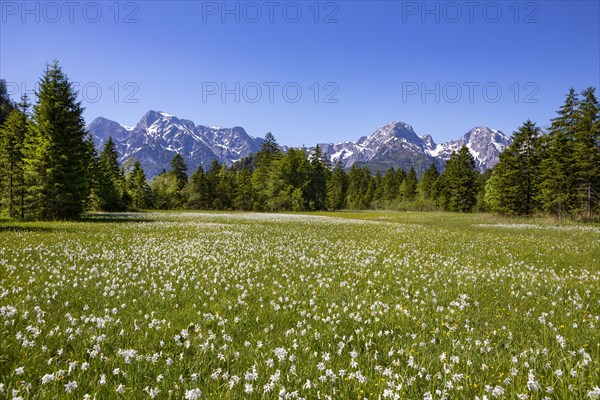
(158, 136)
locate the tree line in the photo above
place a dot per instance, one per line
(51, 169)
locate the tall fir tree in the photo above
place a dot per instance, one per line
(513, 187)
(426, 182)
(179, 169)
(12, 139)
(111, 180)
(243, 190)
(55, 151)
(409, 186)
(139, 190)
(557, 195)
(318, 179)
(337, 185)
(460, 178)
(587, 154)
(261, 187)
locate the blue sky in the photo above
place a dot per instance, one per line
(311, 71)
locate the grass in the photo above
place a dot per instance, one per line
(331, 305)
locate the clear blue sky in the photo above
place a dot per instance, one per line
(382, 61)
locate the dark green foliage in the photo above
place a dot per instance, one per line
(460, 181)
(138, 189)
(426, 182)
(360, 188)
(408, 189)
(6, 104)
(557, 188)
(336, 188)
(110, 179)
(586, 153)
(179, 169)
(513, 186)
(12, 178)
(317, 186)
(55, 151)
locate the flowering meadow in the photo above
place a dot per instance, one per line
(274, 306)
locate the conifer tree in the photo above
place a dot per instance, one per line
(12, 139)
(337, 187)
(55, 151)
(6, 104)
(318, 179)
(460, 178)
(586, 153)
(426, 182)
(110, 179)
(179, 170)
(139, 190)
(513, 188)
(558, 169)
(409, 186)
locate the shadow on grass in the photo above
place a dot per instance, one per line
(13, 228)
(108, 217)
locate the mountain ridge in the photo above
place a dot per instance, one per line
(158, 136)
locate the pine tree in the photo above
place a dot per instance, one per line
(514, 185)
(55, 151)
(12, 139)
(390, 184)
(261, 187)
(243, 190)
(426, 182)
(196, 190)
(557, 187)
(336, 188)
(179, 170)
(378, 193)
(110, 179)
(318, 179)
(460, 178)
(409, 186)
(587, 154)
(139, 190)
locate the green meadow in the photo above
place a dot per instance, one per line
(342, 305)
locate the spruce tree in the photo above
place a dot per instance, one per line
(337, 187)
(12, 139)
(55, 151)
(243, 189)
(460, 178)
(426, 182)
(557, 194)
(514, 185)
(587, 154)
(318, 179)
(409, 186)
(139, 190)
(179, 169)
(110, 179)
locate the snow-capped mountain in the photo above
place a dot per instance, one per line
(396, 144)
(485, 145)
(158, 136)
